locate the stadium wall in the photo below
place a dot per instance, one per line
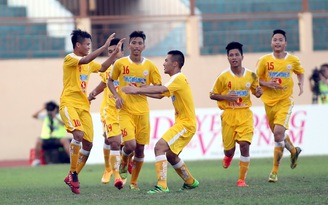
(27, 84)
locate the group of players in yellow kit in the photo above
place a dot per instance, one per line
(128, 81)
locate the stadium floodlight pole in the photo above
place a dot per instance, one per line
(192, 7)
(305, 5)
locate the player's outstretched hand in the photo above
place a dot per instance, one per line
(109, 39)
(118, 47)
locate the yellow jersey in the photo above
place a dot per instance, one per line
(280, 70)
(228, 82)
(127, 72)
(182, 99)
(75, 81)
(108, 101)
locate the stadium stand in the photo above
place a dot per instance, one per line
(23, 38)
(253, 30)
(164, 22)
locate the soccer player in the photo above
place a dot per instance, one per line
(168, 148)
(74, 103)
(134, 110)
(275, 74)
(109, 118)
(232, 91)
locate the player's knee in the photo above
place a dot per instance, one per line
(87, 145)
(78, 135)
(130, 146)
(115, 145)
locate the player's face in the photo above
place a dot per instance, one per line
(111, 49)
(136, 46)
(85, 46)
(235, 58)
(168, 64)
(278, 43)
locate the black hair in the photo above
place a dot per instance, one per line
(177, 56)
(234, 45)
(78, 35)
(136, 34)
(279, 31)
(324, 65)
(51, 106)
(115, 42)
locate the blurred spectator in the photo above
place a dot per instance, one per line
(323, 84)
(53, 133)
(319, 85)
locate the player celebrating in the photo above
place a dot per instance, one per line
(232, 93)
(74, 103)
(168, 148)
(275, 73)
(134, 110)
(109, 118)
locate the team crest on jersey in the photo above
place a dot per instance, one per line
(248, 85)
(145, 73)
(229, 84)
(289, 67)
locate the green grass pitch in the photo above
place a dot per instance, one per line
(306, 184)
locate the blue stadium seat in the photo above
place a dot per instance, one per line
(21, 39)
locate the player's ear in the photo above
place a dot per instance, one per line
(176, 64)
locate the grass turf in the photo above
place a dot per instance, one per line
(306, 184)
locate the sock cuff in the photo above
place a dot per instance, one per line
(245, 159)
(75, 142)
(178, 165)
(279, 144)
(106, 146)
(160, 158)
(123, 153)
(115, 152)
(84, 152)
(138, 159)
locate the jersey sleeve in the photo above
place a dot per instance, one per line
(115, 72)
(217, 87)
(155, 78)
(260, 68)
(298, 69)
(94, 66)
(71, 61)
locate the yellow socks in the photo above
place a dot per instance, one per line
(138, 162)
(289, 145)
(277, 155)
(161, 170)
(115, 160)
(83, 157)
(243, 167)
(125, 157)
(74, 154)
(183, 172)
(106, 150)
